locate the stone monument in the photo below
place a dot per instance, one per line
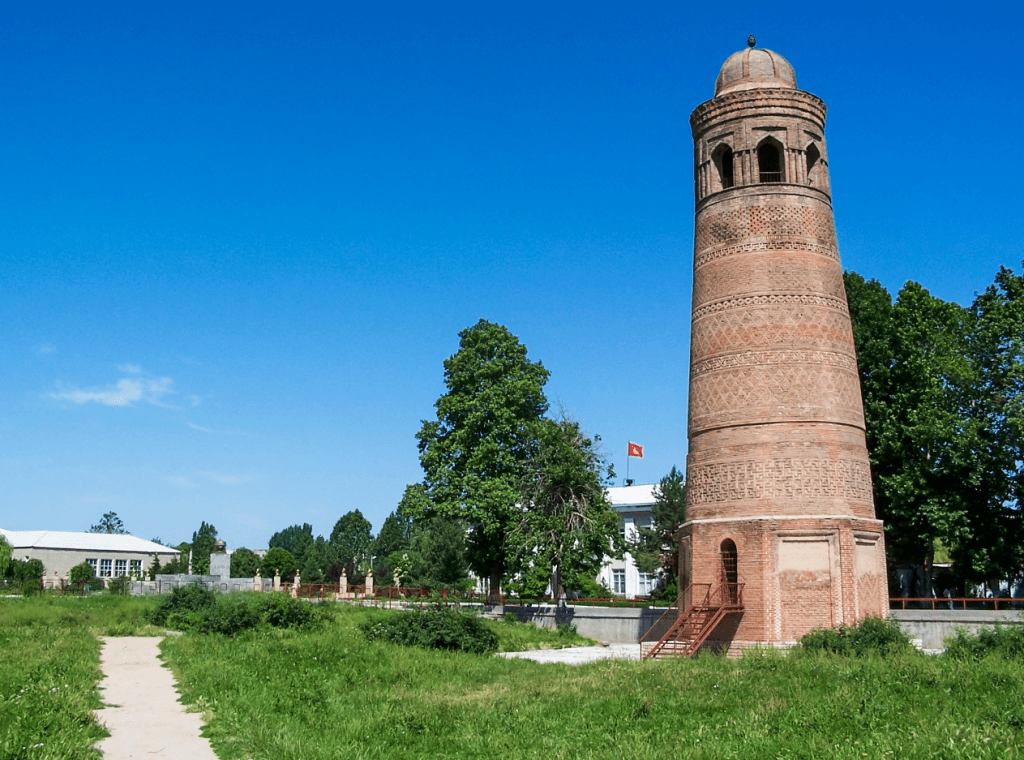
(781, 529)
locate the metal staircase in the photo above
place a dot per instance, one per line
(684, 628)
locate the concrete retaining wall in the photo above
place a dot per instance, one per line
(933, 626)
(625, 625)
(613, 625)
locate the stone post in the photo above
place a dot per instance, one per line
(257, 582)
(295, 587)
(277, 580)
(343, 584)
(369, 583)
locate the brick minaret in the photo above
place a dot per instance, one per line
(779, 488)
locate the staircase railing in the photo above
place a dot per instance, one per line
(687, 628)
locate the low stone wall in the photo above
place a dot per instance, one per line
(613, 625)
(932, 627)
(165, 583)
(616, 625)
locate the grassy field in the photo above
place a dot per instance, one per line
(328, 694)
(49, 668)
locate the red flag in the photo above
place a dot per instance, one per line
(636, 450)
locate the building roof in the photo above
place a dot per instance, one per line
(101, 542)
(632, 496)
(754, 67)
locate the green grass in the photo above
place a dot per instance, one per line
(49, 669)
(330, 694)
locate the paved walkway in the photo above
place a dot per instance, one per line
(143, 714)
(579, 655)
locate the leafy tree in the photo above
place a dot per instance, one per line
(942, 398)
(82, 573)
(436, 558)
(316, 561)
(204, 542)
(29, 573)
(566, 523)
(244, 563)
(109, 523)
(393, 538)
(352, 541)
(278, 560)
(473, 454)
(155, 567)
(5, 556)
(658, 546)
(297, 539)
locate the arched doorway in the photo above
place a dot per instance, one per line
(730, 574)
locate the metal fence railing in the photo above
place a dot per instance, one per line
(955, 603)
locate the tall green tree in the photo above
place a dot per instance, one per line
(297, 539)
(942, 394)
(109, 523)
(473, 454)
(565, 522)
(5, 556)
(203, 543)
(278, 560)
(244, 563)
(393, 538)
(657, 547)
(352, 541)
(436, 557)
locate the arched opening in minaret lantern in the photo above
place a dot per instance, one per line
(813, 165)
(722, 159)
(769, 161)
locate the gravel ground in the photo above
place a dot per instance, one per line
(578, 655)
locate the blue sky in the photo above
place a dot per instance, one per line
(238, 242)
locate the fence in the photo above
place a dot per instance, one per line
(955, 603)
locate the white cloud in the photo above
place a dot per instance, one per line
(46, 348)
(193, 400)
(134, 369)
(200, 428)
(127, 392)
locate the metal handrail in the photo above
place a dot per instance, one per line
(947, 602)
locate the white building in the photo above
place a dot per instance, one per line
(110, 554)
(635, 505)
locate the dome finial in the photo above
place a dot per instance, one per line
(751, 40)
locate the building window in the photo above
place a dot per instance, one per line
(92, 563)
(722, 158)
(120, 567)
(813, 165)
(622, 530)
(104, 568)
(619, 581)
(136, 568)
(646, 584)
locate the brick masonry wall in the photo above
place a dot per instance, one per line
(777, 459)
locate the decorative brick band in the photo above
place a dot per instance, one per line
(763, 358)
(747, 301)
(769, 221)
(779, 478)
(772, 243)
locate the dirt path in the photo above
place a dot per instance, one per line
(144, 716)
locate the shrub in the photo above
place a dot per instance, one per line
(281, 611)
(874, 635)
(118, 586)
(182, 603)
(230, 616)
(433, 629)
(82, 573)
(972, 647)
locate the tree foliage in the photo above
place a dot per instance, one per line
(565, 523)
(109, 523)
(278, 560)
(204, 541)
(352, 541)
(297, 539)
(657, 547)
(5, 556)
(244, 563)
(943, 390)
(473, 454)
(83, 572)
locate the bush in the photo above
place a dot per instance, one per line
(433, 629)
(230, 616)
(972, 647)
(873, 636)
(118, 586)
(182, 603)
(82, 573)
